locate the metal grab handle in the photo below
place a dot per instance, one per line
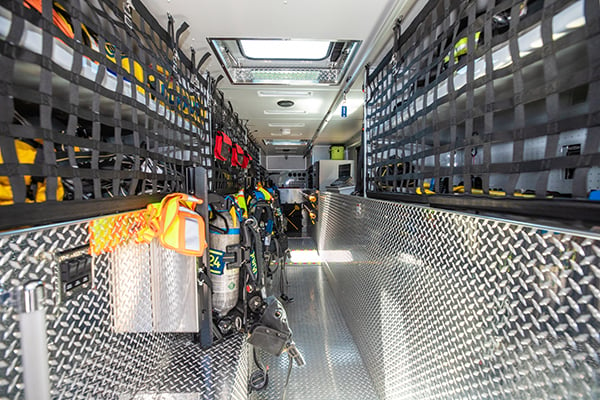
(34, 344)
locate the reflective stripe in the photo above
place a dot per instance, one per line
(192, 240)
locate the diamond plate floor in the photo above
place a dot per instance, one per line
(303, 243)
(334, 369)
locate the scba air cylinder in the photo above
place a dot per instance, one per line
(224, 231)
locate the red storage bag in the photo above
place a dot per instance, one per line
(237, 155)
(246, 161)
(222, 146)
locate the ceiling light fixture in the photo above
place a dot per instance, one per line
(286, 125)
(284, 142)
(302, 76)
(296, 134)
(284, 112)
(284, 93)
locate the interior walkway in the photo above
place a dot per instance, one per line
(334, 369)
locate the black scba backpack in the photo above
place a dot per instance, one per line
(262, 317)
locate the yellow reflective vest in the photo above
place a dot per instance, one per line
(176, 224)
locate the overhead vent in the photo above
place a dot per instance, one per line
(285, 103)
(284, 61)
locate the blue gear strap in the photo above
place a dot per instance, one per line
(259, 195)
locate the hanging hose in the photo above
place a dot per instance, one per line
(287, 379)
(283, 281)
(259, 379)
(277, 256)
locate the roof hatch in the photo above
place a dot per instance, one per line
(284, 61)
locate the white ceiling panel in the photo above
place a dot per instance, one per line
(369, 22)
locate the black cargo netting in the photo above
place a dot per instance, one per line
(493, 98)
(227, 178)
(96, 103)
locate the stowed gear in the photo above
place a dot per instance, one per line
(242, 251)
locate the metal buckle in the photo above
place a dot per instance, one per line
(127, 13)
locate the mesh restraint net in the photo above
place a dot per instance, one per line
(103, 95)
(496, 98)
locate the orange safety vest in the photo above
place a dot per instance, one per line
(176, 224)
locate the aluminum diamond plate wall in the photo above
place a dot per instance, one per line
(89, 359)
(175, 300)
(132, 303)
(450, 306)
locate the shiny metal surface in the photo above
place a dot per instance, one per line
(334, 369)
(446, 306)
(301, 244)
(289, 196)
(131, 296)
(153, 289)
(174, 293)
(88, 358)
(32, 296)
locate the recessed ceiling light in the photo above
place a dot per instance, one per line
(284, 93)
(285, 49)
(284, 142)
(284, 112)
(287, 125)
(295, 134)
(282, 132)
(287, 76)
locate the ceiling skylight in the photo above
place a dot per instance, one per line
(285, 49)
(284, 62)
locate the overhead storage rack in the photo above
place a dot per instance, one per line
(483, 105)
